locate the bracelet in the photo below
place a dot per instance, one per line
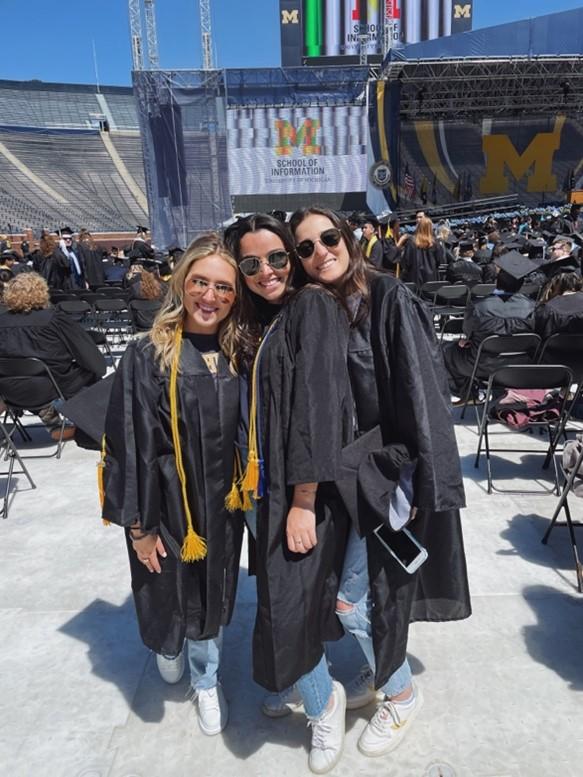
(140, 536)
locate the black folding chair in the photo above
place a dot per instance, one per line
(481, 290)
(143, 312)
(113, 292)
(529, 376)
(452, 326)
(509, 349)
(563, 504)
(113, 317)
(22, 380)
(450, 300)
(10, 453)
(79, 310)
(428, 290)
(91, 296)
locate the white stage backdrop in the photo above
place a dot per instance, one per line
(297, 150)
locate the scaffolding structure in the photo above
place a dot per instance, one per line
(151, 35)
(206, 35)
(479, 88)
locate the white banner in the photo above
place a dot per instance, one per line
(297, 150)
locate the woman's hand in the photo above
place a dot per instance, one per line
(301, 519)
(147, 549)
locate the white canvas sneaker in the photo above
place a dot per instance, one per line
(360, 691)
(278, 705)
(171, 669)
(328, 733)
(213, 710)
(389, 726)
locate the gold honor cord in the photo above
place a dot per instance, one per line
(101, 479)
(194, 546)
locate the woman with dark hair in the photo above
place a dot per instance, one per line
(561, 306)
(299, 420)
(422, 254)
(408, 471)
(169, 451)
(50, 262)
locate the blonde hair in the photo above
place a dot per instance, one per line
(27, 291)
(171, 314)
(424, 237)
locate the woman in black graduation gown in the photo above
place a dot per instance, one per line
(300, 418)
(398, 383)
(170, 433)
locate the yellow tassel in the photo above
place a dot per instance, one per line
(247, 503)
(193, 547)
(250, 480)
(105, 522)
(233, 501)
(100, 479)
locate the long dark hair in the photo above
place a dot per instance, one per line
(356, 279)
(254, 312)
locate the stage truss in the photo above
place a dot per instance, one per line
(485, 88)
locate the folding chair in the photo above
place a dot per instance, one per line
(10, 452)
(91, 296)
(510, 349)
(428, 290)
(563, 504)
(113, 292)
(529, 376)
(80, 310)
(452, 326)
(32, 376)
(450, 300)
(565, 349)
(113, 317)
(143, 312)
(481, 290)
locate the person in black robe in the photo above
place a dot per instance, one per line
(464, 269)
(90, 258)
(141, 248)
(504, 312)
(31, 328)
(300, 419)
(561, 310)
(169, 452)
(422, 255)
(405, 444)
(50, 262)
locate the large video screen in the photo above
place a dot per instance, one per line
(332, 31)
(278, 151)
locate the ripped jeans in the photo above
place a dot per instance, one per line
(355, 591)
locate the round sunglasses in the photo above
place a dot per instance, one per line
(199, 286)
(329, 238)
(251, 265)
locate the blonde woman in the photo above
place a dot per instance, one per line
(169, 447)
(422, 255)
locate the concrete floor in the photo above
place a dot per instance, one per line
(80, 695)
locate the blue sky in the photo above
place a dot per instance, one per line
(52, 41)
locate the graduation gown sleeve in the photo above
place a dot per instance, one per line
(132, 429)
(80, 345)
(413, 394)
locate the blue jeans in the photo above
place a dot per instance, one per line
(315, 687)
(355, 590)
(203, 659)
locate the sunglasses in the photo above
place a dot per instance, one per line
(199, 286)
(251, 265)
(329, 238)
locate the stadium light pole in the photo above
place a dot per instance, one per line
(136, 33)
(151, 35)
(206, 35)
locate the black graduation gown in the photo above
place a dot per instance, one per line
(305, 419)
(420, 265)
(92, 264)
(55, 269)
(61, 343)
(464, 271)
(496, 314)
(560, 314)
(189, 600)
(399, 383)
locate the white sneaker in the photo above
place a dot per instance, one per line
(278, 705)
(213, 710)
(389, 726)
(328, 733)
(360, 691)
(171, 669)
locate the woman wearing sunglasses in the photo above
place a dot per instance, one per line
(398, 383)
(299, 421)
(168, 462)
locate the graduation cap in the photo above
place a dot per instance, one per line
(515, 264)
(65, 232)
(564, 239)
(578, 238)
(536, 247)
(142, 230)
(10, 255)
(466, 245)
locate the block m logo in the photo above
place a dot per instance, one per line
(500, 153)
(290, 17)
(462, 11)
(290, 137)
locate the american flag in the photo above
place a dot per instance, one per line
(409, 185)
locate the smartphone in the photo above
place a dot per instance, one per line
(403, 547)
